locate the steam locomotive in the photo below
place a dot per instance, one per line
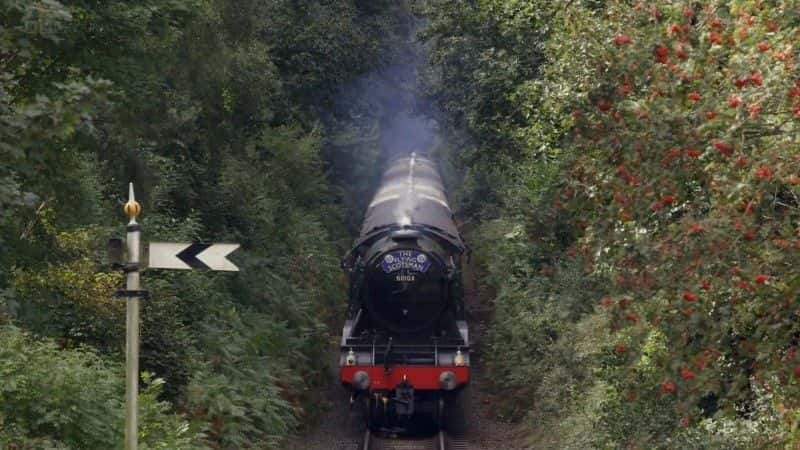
(405, 344)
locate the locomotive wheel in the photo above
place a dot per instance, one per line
(456, 411)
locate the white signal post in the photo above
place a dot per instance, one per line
(163, 255)
(133, 288)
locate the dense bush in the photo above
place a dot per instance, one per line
(55, 398)
(220, 112)
(656, 167)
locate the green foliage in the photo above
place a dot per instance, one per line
(71, 300)
(482, 56)
(160, 427)
(540, 333)
(68, 396)
(243, 390)
(651, 154)
(220, 112)
(55, 398)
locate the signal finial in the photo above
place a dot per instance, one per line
(132, 208)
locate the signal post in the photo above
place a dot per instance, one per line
(162, 255)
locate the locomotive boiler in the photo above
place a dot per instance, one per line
(405, 344)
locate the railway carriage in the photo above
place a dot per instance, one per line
(405, 344)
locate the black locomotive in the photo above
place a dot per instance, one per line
(405, 344)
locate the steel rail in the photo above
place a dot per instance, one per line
(441, 441)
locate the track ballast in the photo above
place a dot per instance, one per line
(440, 441)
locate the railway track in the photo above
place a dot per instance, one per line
(440, 441)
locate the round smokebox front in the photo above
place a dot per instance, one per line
(405, 290)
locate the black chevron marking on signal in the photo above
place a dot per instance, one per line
(189, 255)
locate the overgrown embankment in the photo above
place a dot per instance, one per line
(220, 113)
(634, 168)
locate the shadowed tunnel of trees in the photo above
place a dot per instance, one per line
(629, 173)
